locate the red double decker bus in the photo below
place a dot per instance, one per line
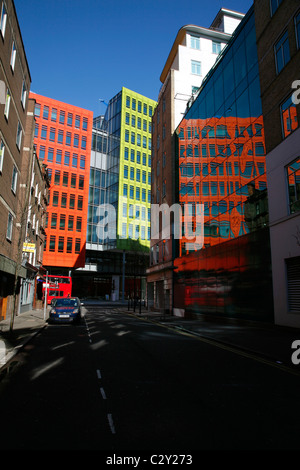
(58, 286)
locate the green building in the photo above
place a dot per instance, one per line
(129, 117)
(118, 225)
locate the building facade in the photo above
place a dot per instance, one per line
(278, 45)
(224, 262)
(35, 196)
(63, 134)
(118, 232)
(15, 84)
(194, 51)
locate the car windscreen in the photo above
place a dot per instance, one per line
(66, 303)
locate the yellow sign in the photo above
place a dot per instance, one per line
(29, 247)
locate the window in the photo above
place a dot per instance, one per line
(84, 124)
(72, 201)
(293, 182)
(58, 156)
(67, 159)
(62, 222)
(14, 180)
(7, 103)
(44, 132)
(52, 243)
(282, 52)
(78, 224)
(37, 110)
(288, 117)
(2, 148)
(70, 119)
(60, 244)
(62, 117)
(274, 5)
(46, 112)
(53, 114)
(70, 223)
(53, 220)
(77, 122)
(23, 94)
(77, 245)
(80, 203)
(9, 227)
(57, 177)
(74, 160)
(196, 67)
(55, 198)
(82, 162)
(293, 279)
(69, 245)
(216, 47)
(63, 200)
(195, 42)
(13, 56)
(68, 138)
(3, 20)
(65, 178)
(60, 136)
(52, 134)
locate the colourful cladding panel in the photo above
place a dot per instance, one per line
(63, 142)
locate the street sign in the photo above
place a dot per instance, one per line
(29, 247)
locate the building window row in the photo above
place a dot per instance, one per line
(66, 158)
(62, 222)
(136, 156)
(58, 135)
(134, 121)
(135, 211)
(138, 106)
(135, 232)
(62, 244)
(61, 200)
(137, 139)
(61, 117)
(136, 193)
(66, 179)
(195, 43)
(137, 175)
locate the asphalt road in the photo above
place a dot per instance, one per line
(116, 383)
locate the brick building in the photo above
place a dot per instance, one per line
(278, 46)
(15, 83)
(35, 196)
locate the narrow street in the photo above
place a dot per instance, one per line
(119, 383)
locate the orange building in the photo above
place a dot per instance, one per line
(63, 135)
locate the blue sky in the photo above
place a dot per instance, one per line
(80, 52)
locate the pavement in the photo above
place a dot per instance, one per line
(267, 342)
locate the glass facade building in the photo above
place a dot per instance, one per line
(221, 165)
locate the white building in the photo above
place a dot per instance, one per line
(193, 53)
(283, 168)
